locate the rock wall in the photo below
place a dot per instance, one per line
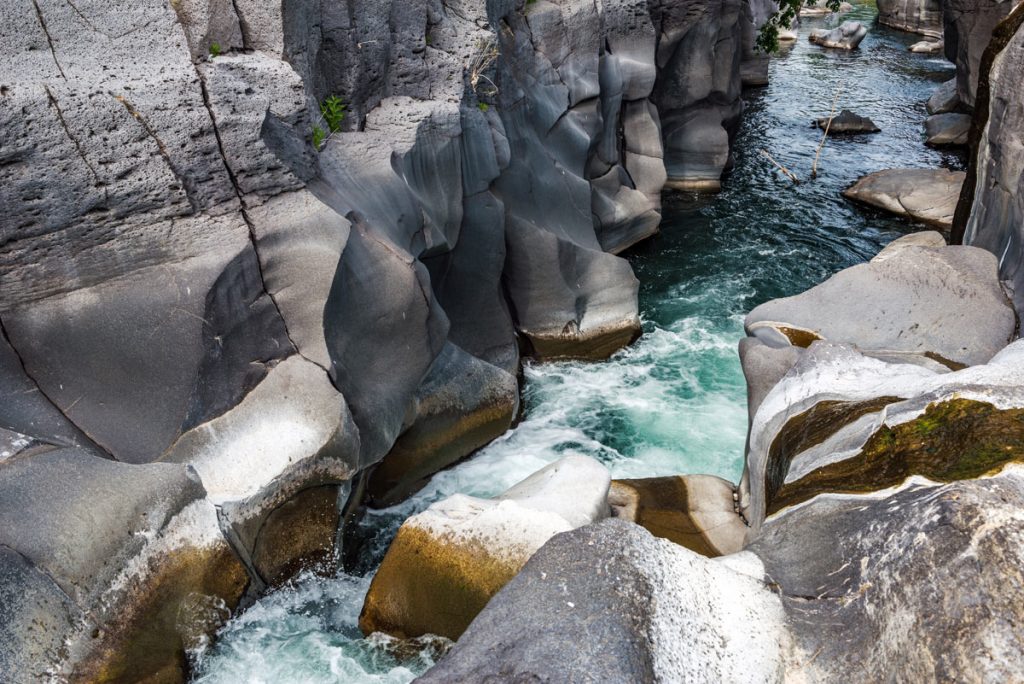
(915, 16)
(968, 27)
(991, 212)
(211, 325)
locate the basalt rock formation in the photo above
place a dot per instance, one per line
(222, 305)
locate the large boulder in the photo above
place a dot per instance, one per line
(922, 302)
(945, 99)
(925, 195)
(846, 36)
(611, 603)
(446, 563)
(947, 130)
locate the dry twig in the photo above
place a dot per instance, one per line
(789, 174)
(824, 136)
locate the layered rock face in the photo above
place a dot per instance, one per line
(968, 27)
(991, 210)
(915, 16)
(209, 286)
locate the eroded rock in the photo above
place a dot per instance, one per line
(925, 195)
(915, 16)
(448, 561)
(947, 130)
(847, 122)
(846, 36)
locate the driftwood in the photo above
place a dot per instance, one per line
(789, 174)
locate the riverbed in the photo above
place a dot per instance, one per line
(675, 401)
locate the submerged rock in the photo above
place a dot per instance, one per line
(611, 603)
(945, 130)
(926, 195)
(448, 561)
(847, 122)
(846, 36)
(927, 47)
(695, 511)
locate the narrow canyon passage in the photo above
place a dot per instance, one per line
(675, 401)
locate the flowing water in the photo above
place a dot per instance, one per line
(674, 402)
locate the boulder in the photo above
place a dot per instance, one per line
(847, 122)
(927, 47)
(448, 561)
(916, 16)
(945, 607)
(925, 195)
(695, 511)
(611, 603)
(787, 36)
(945, 99)
(943, 303)
(846, 36)
(947, 130)
(813, 9)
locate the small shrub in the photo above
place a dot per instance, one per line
(215, 50)
(333, 111)
(484, 106)
(318, 137)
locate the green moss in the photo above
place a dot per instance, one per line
(953, 440)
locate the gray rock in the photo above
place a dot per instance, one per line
(925, 195)
(927, 47)
(915, 16)
(968, 29)
(946, 607)
(995, 220)
(945, 99)
(846, 36)
(609, 602)
(847, 122)
(754, 68)
(944, 130)
(940, 301)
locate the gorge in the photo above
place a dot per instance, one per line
(221, 343)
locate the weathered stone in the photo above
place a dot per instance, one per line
(463, 404)
(611, 603)
(847, 122)
(846, 36)
(945, 99)
(968, 28)
(927, 47)
(695, 511)
(813, 9)
(448, 561)
(915, 16)
(925, 195)
(944, 607)
(944, 130)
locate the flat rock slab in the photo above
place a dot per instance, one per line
(947, 130)
(846, 122)
(927, 47)
(846, 36)
(926, 195)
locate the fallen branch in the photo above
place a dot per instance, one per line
(824, 137)
(789, 174)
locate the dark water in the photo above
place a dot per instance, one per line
(675, 401)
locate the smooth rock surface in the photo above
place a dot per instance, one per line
(611, 603)
(925, 195)
(968, 27)
(947, 130)
(448, 561)
(846, 36)
(945, 99)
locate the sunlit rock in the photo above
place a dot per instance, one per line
(925, 195)
(695, 511)
(448, 561)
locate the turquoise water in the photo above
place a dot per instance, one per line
(674, 402)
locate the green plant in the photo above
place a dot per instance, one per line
(483, 106)
(768, 37)
(318, 137)
(215, 50)
(333, 111)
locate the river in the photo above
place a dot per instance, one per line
(675, 401)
